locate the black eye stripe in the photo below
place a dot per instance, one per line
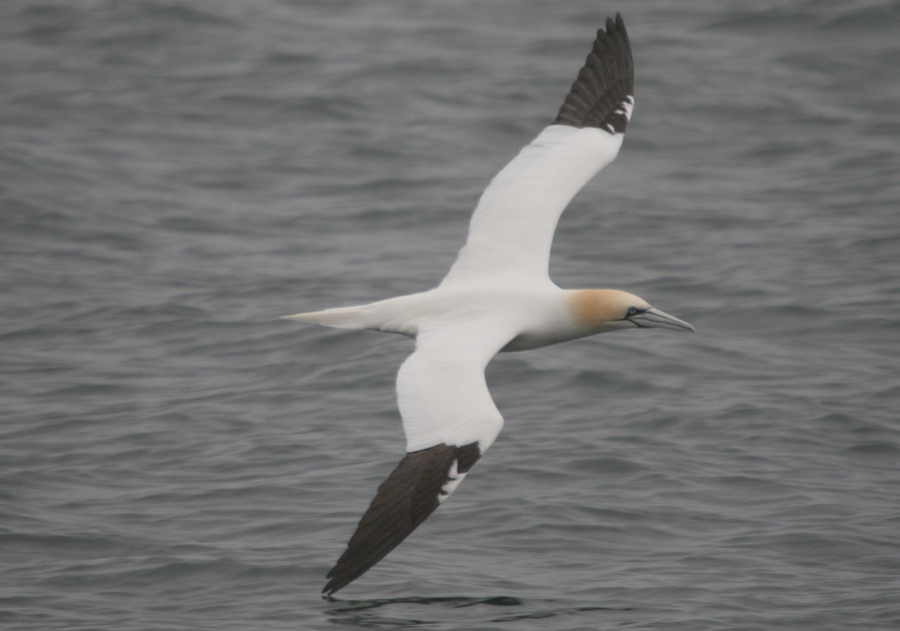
(633, 311)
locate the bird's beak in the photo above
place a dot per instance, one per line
(654, 318)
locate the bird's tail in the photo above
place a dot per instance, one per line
(341, 318)
(394, 315)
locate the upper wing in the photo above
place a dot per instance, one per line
(512, 228)
(449, 419)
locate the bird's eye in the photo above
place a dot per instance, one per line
(632, 311)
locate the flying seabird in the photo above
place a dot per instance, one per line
(497, 297)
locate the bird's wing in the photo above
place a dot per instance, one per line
(449, 419)
(512, 227)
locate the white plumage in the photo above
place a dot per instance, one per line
(497, 297)
(512, 228)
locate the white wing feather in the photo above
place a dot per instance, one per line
(441, 389)
(511, 231)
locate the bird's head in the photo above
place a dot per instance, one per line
(602, 310)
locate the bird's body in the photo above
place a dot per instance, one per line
(497, 297)
(531, 314)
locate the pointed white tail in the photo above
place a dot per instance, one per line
(340, 318)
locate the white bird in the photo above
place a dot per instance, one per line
(497, 297)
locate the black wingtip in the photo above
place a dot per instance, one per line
(331, 586)
(605, 83)
(403, 501)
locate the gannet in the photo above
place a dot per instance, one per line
(497, 297)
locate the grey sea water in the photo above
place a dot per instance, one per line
(175, 175)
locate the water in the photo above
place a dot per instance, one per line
(175, 175)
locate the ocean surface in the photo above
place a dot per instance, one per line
(177, 174)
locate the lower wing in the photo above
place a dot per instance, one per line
(449, 419)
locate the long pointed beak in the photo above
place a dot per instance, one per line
(656, 319)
